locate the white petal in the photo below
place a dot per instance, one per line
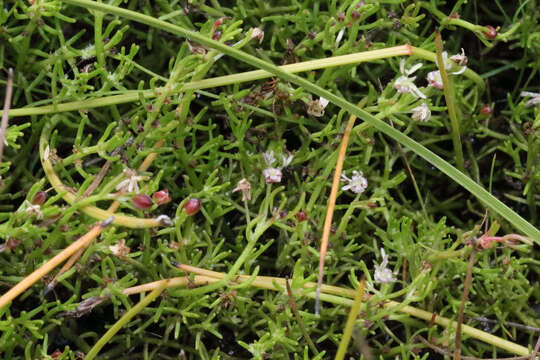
(413, 69)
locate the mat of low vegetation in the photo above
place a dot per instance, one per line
(269, 180)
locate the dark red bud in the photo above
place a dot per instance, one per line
(341, 17)
(283, 213)
(142, 201)
(355, 15)
(486, 110)
(192, 206)
(216, 35)
(161, 197)
(39, 198)
(490, 32)
(301, 216)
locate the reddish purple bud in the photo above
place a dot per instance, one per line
(283, 213)
(192, 206)
(301, 216)
(216, 35)
(486, 110)
(220, 21)
(39, 198)
(355, 15)
(161, 197)
(142, 201)
(490, 32)
(341, 17)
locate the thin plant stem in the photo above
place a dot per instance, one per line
(351, 319)
(5, 112)
(536, 348)
(332, 294)
(66, 267)
(442, 351)
(52, 263)
(469, 184)
(112, 208)
(331, 205)
(508, 324)
(464, 297)
(450, 104)
(294, 308)
(70, 198)
(125, 319)
(131, 96)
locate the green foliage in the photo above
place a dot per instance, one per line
(214, 138)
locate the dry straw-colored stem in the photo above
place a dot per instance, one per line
(52, 263)
(331, 205)
(334, 294)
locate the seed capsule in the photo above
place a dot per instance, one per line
(192, 206)
(161, 197)
(301, 216)
(490, 32)
(142, 201)
(39, 198)
(486, 110)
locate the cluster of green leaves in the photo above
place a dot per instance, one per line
(213, 138)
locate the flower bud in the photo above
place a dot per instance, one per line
(39, 198)
(192, 206)
(301, 216)
(142, 201)
(490, 32)
(161, 197)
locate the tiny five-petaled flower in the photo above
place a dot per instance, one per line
(245, 187)
(434, 77)
(316, 107)
(130, 184)
(273, 174)
(357, 183)
(382, 273)
(33, 209)
(405, 83)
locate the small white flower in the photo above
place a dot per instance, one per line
(405, 84)
(32, 209)
(382, 273)
(434, 79)
(316, 107)
(460, 58)
(357, 184)
(46, 153)
(130, 184)
(533, 101)
(421, 113)
(272, 175)
(245, 187)
(257, 34)
(120, 249)
(269, 158)
(286, 160)
(449, 65)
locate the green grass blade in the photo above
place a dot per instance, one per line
(489, 200)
